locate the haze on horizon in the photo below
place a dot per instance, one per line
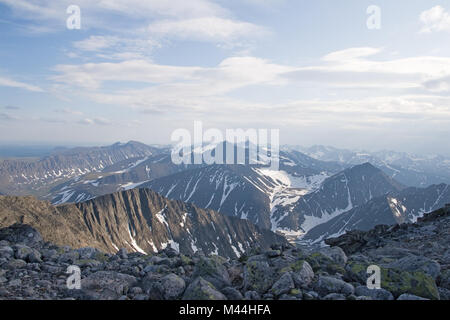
(138, 70)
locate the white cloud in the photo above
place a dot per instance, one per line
(214, 29)
(95, 121)
(435, 19)
(351, 54)
(6, 82)
(115, 48)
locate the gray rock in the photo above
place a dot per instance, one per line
(375, 294)
(407, 296)
(21, 251)
(173, 286)
(69, 257)
(122, 253)
(87, 253)
(232, 294)
(287, 297)
(258, 276)
(105, 285)
(200, 289)
(273, 253)
(212, 270)
(304, 276)
(417, 263)
(16, 264)
(252, 295)
(34, 257)
(326, 285)
(6, 252)
(336, 254)
(334, 296)
(21, 233)
(283, 285)
(444, 293)
(15, 283)
(444, 280)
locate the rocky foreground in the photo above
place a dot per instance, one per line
(414, 262)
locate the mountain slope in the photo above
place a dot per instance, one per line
(124, 175)
(410, 170)
(395, 208)
(28, 176)
(337, 194)
(139, 220)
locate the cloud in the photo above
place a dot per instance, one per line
(351, 54)
(7, 117)
(12, 108)
(116, 48)
(68, 111)
(95, 121)
(369, 91)
(6, 82)
(435, 19)
(214, 29)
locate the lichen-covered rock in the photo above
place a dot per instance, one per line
(396, 281)
(258, 276)
(416, 283)
(173, 286)
(212, 270)
(200, 289)
(302, 273)
(319, 261)
(336, 254)
(326, 285)
(375, 294)
(106, 285)
(417, 263)
(283, 285)
(232, 293)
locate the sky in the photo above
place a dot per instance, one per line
(322, 72)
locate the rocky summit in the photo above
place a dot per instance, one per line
(413, 262)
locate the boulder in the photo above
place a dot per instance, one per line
(200, 289)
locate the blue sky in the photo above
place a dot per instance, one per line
(137, 70)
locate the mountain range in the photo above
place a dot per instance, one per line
(317, 192)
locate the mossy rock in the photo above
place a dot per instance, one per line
(101, 257)
(396, 281)
(185, 260)
(417, 283)
(357, 271)
(334, 268)
(212, 270)
(258, 276)
(294, 292)
(318, 261)
(201, 289)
